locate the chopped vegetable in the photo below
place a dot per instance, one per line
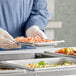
(67, 51)
(42, 63)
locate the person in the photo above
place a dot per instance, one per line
(21, 18)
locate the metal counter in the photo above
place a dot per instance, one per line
(26, 56)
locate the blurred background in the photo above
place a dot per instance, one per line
(63, 16)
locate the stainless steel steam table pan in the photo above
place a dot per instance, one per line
(50, 61)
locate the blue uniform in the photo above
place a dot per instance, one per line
(16, 16)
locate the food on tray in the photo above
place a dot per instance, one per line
(37, 39)
(43, 64)
(67, 51)
(63, 64)
(40, 64)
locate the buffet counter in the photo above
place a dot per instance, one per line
(29, 56)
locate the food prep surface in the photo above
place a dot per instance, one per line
(43, 66)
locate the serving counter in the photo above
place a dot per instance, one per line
(29, 55)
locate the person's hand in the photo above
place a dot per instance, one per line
(7, 41)
(35, 31)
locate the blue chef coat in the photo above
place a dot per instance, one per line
(16, 16)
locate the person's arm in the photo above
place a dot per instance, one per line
(39, 16)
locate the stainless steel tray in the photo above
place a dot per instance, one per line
(8, 70)
(47, 53)
(7, 65)
(41, 44)
(47, 60)
(12, 71)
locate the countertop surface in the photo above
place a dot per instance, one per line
(24, 53)
(37, 50)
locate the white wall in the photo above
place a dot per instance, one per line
(66, 13)
(51, 7)
(52, 26)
